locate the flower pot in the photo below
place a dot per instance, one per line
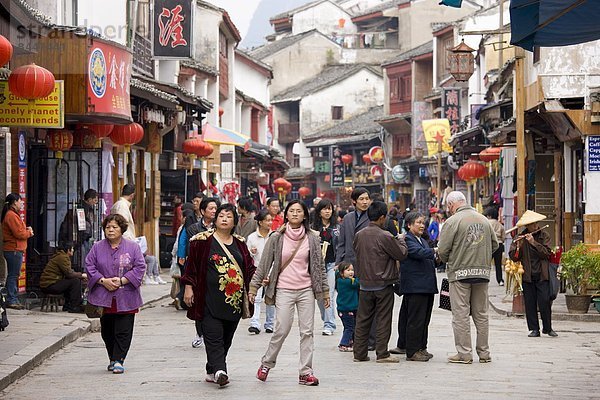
(596, 301)
(578, 304)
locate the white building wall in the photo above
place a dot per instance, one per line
(251, 82)
(324, 17)
(206, 36)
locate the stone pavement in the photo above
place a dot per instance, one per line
(162, 363)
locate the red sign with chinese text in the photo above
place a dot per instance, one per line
(109, 74)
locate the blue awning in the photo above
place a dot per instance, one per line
(549, 23)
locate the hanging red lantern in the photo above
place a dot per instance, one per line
(280, 184)
(472, 171)
(192, 147)
(127, 135)
(288, 187)
(366, 158)
(85, 138)
(101, 131)
(6, 51)
(58, 141)
(206, 150)
(304, 191)
(31, 82)
(490, 154)
(347, 159)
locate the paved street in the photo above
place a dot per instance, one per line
(163, 365)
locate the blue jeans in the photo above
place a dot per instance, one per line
(269, 312)
(14, 259)
(348, 320)
(328, 314)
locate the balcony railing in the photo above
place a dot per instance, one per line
(289, 133)
(142, 56)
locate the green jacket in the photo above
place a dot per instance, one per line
(466, 244)
(57, 269)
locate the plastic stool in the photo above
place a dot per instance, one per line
(51, 302)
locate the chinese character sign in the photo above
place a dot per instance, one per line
(337, 168)
(452, 108)
(172, 24)
(421, 111)
(436, 131)
(109, 74)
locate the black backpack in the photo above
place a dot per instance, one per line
(3, 317)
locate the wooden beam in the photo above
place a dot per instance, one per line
(558, 191)
(520, 127)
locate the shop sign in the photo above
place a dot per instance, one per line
(376, 154)
(399, 174)
(337, 168)
(22, 135)
(322, 167)
(452, 108)
(172, 25)
(47, 112)
(421, 111)
(436, 131)
(109, 74)
(593, 154)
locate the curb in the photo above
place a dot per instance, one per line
(33, 355)
(590, 317)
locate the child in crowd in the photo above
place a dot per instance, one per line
(347, 303)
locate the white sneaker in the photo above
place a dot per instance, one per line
(159, 280)
(197, 342)
(149, 281)
(327, 332)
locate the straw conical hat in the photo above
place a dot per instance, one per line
(529, 217)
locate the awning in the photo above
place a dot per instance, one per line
(342, 140)
(215, 135)
(549, 23)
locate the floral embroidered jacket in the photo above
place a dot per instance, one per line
(196, 268)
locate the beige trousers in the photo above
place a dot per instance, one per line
(470, 298)
(304, 301)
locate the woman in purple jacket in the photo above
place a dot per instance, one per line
(115, 268)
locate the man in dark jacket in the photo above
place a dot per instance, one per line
(376, 254)
(353, 222)
(58, 278)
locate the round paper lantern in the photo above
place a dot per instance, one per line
(101, 131)
(347, 158)
(288, 187)
(376, 154)
(6, 51)
(206, 150)
(366, 158)
(472, 171)
(192, 147)
(127, 135)
(490, 154)
(304, 191)
(31, 82)
(85, 138)
(58, 141)
(280, 184)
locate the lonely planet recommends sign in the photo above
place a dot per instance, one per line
(47, 112)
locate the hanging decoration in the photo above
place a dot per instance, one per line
(84, 138)
(230, 192)
(31, 82)
(366, 158)
(59, 141)
(347, 159)
(472, 171)
(6, 51)
(127, 135)
(304, 191)
(490, 154)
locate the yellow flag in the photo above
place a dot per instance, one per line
(437, 130)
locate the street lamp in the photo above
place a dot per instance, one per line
(461, 62)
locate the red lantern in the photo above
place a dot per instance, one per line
(347, 158)
(490, 154)
(101, 131)
(366, 158)
(31, 82)
(280, 184)
(85, 138)
(207, 149)
(472, 171)
(288, 187)
(58, 141)
(221, 111)
(304, 191)
(127, 135)
(6, 51)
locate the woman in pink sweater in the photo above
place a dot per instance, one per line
(292, 269)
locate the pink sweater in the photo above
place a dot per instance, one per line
(295, 276)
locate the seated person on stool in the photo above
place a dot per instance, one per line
(59, 278)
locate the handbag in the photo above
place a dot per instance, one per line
(554, 282)
(445, 295)
(93, 311)
(245, 301)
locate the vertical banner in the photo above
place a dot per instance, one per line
(172, 27)
(337, 167)
(437, 131)
(421, 112)
(452, 108)
(23, 193)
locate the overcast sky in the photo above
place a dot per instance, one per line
(241, 11)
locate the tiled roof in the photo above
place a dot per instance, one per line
(381, 7)
(407, 55)
(358, 125)
(148, 87)
(328, 77)
(438, 26)
(273, 47)
(245, 53)
(193, 64)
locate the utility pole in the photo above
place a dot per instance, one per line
(439, 175)
(520, 126)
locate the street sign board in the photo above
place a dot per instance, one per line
(47, 112)
(593, 153)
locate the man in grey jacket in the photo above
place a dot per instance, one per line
(466, 245)
(353, 222)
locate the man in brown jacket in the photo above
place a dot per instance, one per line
(376, 254)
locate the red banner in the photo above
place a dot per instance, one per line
(109, 74)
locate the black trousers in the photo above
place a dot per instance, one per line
(380, 302)
(402, 321)
(497, 255)
(70, 288)
(199, 328)
(218, 335)
(418, 313)
(537, 296)
(117, 332)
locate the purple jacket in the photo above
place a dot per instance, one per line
(104, 262)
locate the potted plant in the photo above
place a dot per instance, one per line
(580, 268)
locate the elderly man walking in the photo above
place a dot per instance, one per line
(467, 246)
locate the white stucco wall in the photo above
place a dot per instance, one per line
(109, 17)
(356, 94)
(251, 82)
(206, 36)
(323, 17)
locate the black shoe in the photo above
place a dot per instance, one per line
(269, 330)
(254, 330)
(371, 348)
(398, 350)
(551, 333)
(78, 309)
(534, 333)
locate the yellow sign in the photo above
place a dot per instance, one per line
(436, 131)
(47, 112)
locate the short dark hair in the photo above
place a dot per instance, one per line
(305, 222)
(356, 193)
(66, 246)
(261, 215)
(411, 217)
(207, 200)
(246, 203)
(376, 210)
(90, 194)
(318, 222)
(271, 199)
(377, 197)
(199, 195)
(343, 266)
(128, 189)
(491, 212)
(119, 219)
(228, 207)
